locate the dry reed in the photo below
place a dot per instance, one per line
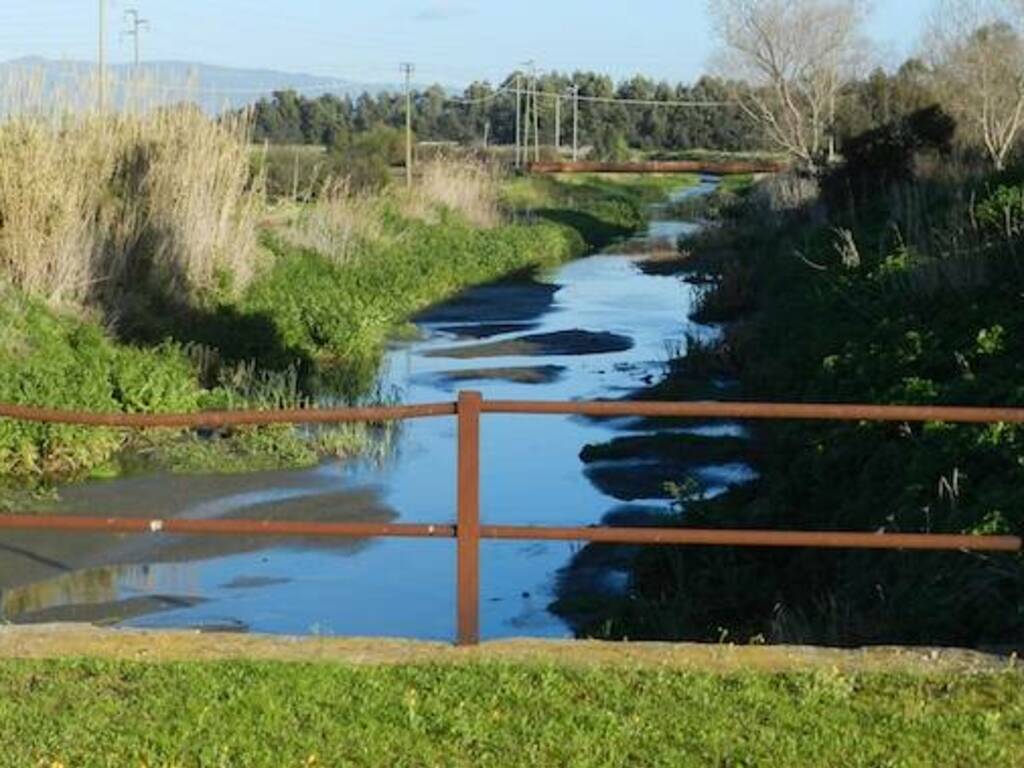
(470, 189)
(342, 220)
(90, 204)
(338, 222)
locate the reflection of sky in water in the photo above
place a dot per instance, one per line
(531, 474)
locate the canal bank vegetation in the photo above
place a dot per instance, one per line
(145, 268)
(272, 714)
(893, 278)
(886, 268)
(601, 207)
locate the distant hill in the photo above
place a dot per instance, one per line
(213, 88)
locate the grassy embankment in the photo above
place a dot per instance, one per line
(905, 295)
(141, 270)
(261, 713)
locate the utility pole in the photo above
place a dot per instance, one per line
(407, 70)
(530, 66)
(526, 126)
(518, 125)
(536, 121)
(530, 92)
(101, 57)
(575, 122)
(558, 124)
(136, 25)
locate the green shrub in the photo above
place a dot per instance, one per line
(1000, 213)
(58, 361)
(366, 158)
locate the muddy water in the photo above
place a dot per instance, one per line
(598, 327)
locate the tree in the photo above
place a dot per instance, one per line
(795, 55)
(978, 62)
(882, 98)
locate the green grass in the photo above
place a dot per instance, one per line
(92, 713)
(601, 207)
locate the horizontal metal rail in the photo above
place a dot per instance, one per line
(238, 527)
(738, 537)
(710, 409)
(742, 537)
(743, 410)
(226, 418)
(468, 530)
(713, 167)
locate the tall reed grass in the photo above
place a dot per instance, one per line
(469, 189)
(338, 222)
(94, 207)
(341, 220)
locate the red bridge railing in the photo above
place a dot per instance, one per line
(714, 167)
(468, 530)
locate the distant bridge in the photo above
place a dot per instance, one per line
(717, 168)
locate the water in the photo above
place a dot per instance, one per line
(614, 326)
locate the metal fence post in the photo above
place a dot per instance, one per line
(468, 525)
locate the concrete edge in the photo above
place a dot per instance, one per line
(62, 641)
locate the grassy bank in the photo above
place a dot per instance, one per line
(143, 269)
(115, 713)
(602, 207)
(909, 294)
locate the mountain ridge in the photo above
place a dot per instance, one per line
(214, 87)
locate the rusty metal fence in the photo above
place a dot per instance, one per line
(468, 530)
(712, 167)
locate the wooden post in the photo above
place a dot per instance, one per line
(468, 524)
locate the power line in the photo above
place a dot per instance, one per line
(643, 102)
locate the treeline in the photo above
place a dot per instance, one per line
(485, 113)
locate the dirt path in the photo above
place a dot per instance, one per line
(64, 641)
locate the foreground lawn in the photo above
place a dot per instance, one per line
(99, 713)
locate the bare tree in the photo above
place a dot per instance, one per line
(977, 56)
(795, 55)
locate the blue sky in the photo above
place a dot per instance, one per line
(451, 41)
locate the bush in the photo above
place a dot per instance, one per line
(295, 172)
(366, 158)
(879, 158)
(1000, 213)
(61, 362)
